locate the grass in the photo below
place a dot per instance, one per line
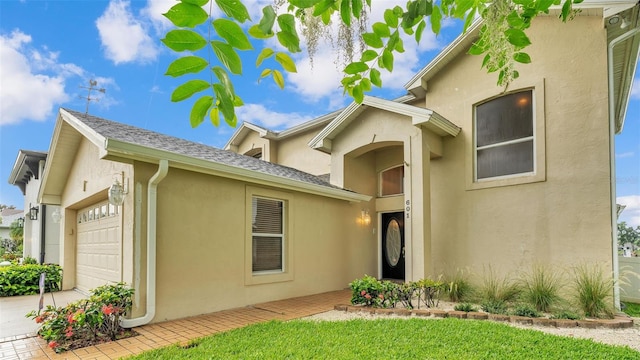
(540, 287)
(388, 339)
(632, 309)
(594, 290)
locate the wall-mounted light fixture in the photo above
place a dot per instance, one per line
(625, 24)
(33, 212)
(365, 218)
(20, 222)
(118, 190)
(56, 216)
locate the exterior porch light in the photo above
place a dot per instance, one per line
(20, 222)
(117, 191)
(33, 212)
(56, 216)
(365, 218)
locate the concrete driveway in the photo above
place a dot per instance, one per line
(13, 309)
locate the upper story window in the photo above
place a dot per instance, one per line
(504, 136)
(255, 153)
(392, 181)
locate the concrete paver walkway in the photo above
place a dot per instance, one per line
(180, 331)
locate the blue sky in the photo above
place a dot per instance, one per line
(49, 50)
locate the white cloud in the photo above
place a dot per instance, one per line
(124, 37)
(635, 89)
(26, 91)
(625, 154)
(631, 213)
(154, 10)
(260, 115)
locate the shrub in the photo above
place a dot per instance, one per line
(466, 307)
(566, 314)
(29, 261)
(540, 287)
(428, 291)
(458, 287)
(18, 280)
(88, 321)
(494, 306)
(525, 310)
(371, 292)
(593, 291)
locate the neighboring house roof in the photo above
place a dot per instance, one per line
(419, 116)
(27, 165)
(121, 142)
(319, 122)
(625, 54)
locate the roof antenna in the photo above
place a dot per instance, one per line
(92, 86)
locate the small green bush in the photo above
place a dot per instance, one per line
(370, 291)
(593, 291)
(540, 287)
(525, 310)
(494, 307)
(19, 280)
(566, 314)
(497, 289)
(631, 309)
(29, 261)
(458, 287)
(466, 307)
(87, 321)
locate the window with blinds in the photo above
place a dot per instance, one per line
(504, 136)
(267, 235)
(392, 181)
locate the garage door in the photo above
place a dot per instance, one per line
(98, 249)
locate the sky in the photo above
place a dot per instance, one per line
(50, 50)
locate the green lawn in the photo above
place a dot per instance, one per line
(632, 309)
(389, 339)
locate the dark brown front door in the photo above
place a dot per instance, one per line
(393, 246)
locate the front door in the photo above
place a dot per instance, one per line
(393, 246)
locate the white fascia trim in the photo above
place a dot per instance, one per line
(318, 142)
(609, 7)
(42, 197)
(16, 167)
(131, 151)
(241, 133)
(84, 129)
(311, 124)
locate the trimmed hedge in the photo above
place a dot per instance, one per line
(19, 280)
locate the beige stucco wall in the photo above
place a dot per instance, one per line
(561, 220)
(294, 152)
(201, 242)
(87, 182)
(254, 141)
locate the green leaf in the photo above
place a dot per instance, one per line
(223, 77)
(265, 73)
(303, 4)
(188, 89)
(181, 40)
(358, 94)
(387, 57)
(186, 65)
(566, 10)
(517, 38)
(390, 18)
(257, 33)
(237, 101)
(186, 15)
(345, 11)
(287, 23)
(214, 115)
(366, 84)
(356, 67)
(421, 26)
(350, 80)
(514, 20)
(287, 63)
(381, 29)
(356, 8)
(372, 40)
(233, 33)
(233, 121)
(399, 46)
(462, 6)
(267, 21)
(368, 55)
(322, 7)
(264, 54)
(375, 77)
(199, 110)
(234, 9)
(522, 57)
(289, 40)
(227, 56)
(469, 20)
(225, 101)
(278, 78)
(196, 2)
(476, 49)
(436, 18)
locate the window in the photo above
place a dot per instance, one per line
(504, 130)
(267, 235)
(255, 153)
(392, 181)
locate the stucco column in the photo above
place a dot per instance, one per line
(68, 249)
(418, 206)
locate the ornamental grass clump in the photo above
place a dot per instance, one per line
(497, 289)
(593, 291)
(458, 287)
(88, 321)
(541, 287)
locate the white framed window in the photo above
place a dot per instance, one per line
(391, 181)
(504, 141)
(267, 235)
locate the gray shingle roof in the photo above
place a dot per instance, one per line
(134, 135)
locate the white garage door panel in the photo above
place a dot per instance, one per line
(98, 250)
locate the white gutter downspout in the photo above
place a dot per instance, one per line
(152, 195)
(612, 165)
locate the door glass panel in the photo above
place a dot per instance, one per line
(393, 243)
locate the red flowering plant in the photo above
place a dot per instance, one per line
(369, 291)
(88, 321)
